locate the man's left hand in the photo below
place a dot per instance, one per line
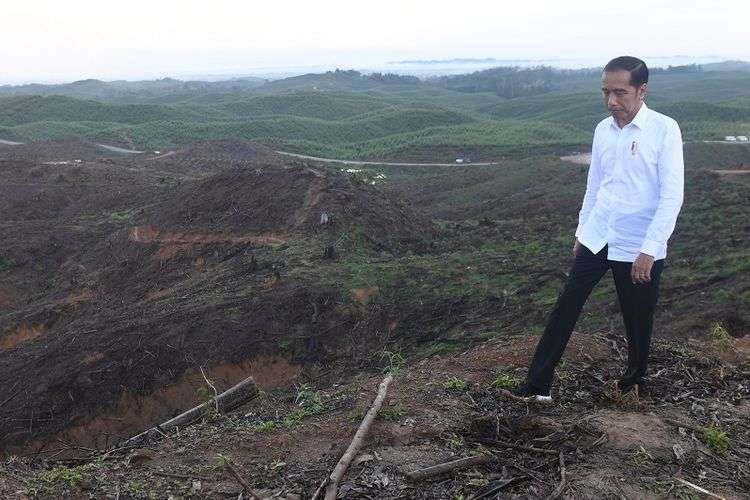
(640, 272)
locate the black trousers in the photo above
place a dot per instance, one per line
(637, 302)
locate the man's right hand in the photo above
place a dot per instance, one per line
(576, 247)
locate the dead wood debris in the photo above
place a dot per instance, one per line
(331, 483)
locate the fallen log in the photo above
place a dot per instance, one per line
(232, 398)
(461, 463)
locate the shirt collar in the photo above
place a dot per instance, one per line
(639, 120)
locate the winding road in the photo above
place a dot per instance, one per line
(394, 164)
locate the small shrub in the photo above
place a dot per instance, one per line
(716, 439)
(265, 426)
(221, 461)
(392, 413)
(455, 384)
(394, 361)
(455, 442)
(642, 458)
(71, 477)
(120, 216)
(504, 381)
(719, 336)
(296, 417)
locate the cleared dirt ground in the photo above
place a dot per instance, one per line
(125, 279)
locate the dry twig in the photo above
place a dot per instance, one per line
(213, 388)
(506, 444)
(461, 463)
(699, 489)
(244, 484)
(563, 481)
(332, 481)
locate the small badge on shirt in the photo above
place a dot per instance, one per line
(633, 148)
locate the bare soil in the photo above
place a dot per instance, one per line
(122, 277)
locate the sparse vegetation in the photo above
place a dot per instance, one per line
(394, 361)
(719, 336)
(121, 216)
(642, 458)
(716, 439)
(455, 384)
(307, 403)
(357, 415)
(69, 478)
(504, 381)
(392, 413)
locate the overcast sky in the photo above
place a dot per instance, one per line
(45, 40)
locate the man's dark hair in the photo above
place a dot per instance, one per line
(637, 68)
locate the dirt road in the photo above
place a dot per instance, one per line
(394, 164)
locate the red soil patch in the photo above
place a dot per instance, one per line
(6, 299)
(736, 353)
(73, 301)
(364, 295)
(92, 358)
(312, 199)
(134, 413)
(159, 294)
(176, 243)
(167, 252)
(148, 234)
(19, 335)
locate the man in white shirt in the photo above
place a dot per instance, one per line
(633, 194)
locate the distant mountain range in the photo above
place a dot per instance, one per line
(727, 66)
(730, 65)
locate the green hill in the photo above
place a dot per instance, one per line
(347, 114)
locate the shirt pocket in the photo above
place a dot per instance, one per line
(647, 154)
(641, 164)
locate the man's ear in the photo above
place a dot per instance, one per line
(643, 90)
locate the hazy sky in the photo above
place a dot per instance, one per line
(57, 40)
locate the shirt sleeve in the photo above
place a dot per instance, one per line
(671, 171)
(593, 182)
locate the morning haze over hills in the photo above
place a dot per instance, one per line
(158, 249)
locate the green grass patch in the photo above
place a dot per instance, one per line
(716, 439)
(455, 384)
(504, 381)
(392, 413)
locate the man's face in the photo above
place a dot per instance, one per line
(621, 98)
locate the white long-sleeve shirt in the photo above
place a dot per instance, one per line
(635, 187)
